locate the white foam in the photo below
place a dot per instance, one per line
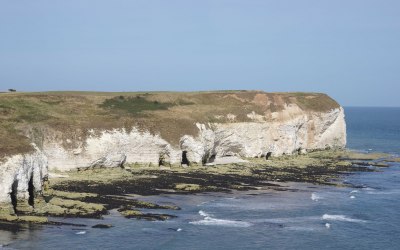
(202, 213)
(218, 222)
(354, 191)
(179, 229)
(315, 197)
(352, 197)
(328, 225)
(209, 221)
(339, 217)
(81, 232)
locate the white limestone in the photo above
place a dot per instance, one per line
(109, 161)
(17, 171)
(289, 131)
(136, 146)
(286, 132)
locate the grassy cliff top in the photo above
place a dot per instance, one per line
(172, 114)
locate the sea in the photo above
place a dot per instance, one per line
(305, 216)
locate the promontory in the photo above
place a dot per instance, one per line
(63, 131)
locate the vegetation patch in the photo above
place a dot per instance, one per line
(316, 102)
(187, 187)
(134, 105)
(393, 160)
(70, 115)
(136, 214)
(115, 188)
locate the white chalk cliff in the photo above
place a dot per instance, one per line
(21, 176)
(288, 131)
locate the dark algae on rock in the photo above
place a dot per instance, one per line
(121, 188)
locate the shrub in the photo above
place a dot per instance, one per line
(134, 105)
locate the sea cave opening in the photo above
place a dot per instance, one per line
(204, 160)
(13, 195)
(212, 158)
(161, 161)
(268, 155)
(31, 191)
(185, 160)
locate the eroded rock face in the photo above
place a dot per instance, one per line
(290, 131)
(109, 161)
(256, 130)
(100, 148)
(21, 178)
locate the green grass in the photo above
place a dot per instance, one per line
(23, 110)
(134, 105)
(317, 102)
(170, 114)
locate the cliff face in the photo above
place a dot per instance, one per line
(295, 132)
(78, 130)
(290, 131)
(21, 178)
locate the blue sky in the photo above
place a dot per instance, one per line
(349, 49)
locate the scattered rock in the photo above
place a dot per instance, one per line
(392, 160)
(226, 160)
(187, 187)
(102, 226)
(128, 213)
(109, 161)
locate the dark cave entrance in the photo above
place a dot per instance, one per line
(185, 160)
(268, 155)
(212, 158)
(204, 159)
(13, 195)
(299, 151)
(31, 191)
(161, 161)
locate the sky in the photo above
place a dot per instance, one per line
(349, 49)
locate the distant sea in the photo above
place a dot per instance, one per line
(305, 216)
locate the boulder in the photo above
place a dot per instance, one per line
(109, 161)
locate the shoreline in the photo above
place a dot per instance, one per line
(119, 188)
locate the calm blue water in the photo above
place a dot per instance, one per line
(307, 217)
(373, 128)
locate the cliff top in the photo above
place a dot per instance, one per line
(172, 114)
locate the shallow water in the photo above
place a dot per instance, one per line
(304, 217)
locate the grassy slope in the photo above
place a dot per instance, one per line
(171, 114)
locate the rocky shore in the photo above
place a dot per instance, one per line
(113, 144)
(121, 188)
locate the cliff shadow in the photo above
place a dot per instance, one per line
(185, 160)
(13, 195)
(208, 159)
(31, 191)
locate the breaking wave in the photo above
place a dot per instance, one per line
(339, 217)
(315, 197)
(210, 221)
